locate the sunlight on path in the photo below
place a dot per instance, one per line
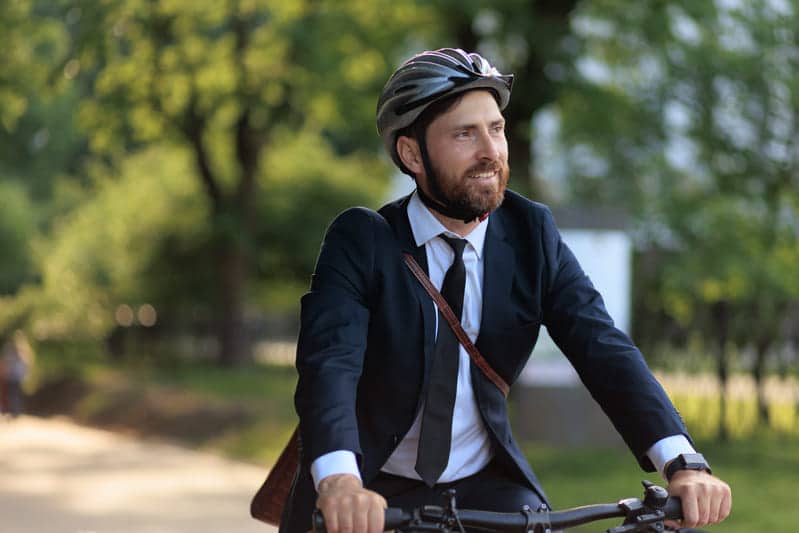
(57, 476)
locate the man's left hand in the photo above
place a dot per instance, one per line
(705, 498)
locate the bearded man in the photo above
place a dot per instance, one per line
(394, 407)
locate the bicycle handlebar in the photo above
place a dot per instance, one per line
(638, 515)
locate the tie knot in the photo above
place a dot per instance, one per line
(457, 245)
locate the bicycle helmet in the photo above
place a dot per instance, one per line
(427, 78)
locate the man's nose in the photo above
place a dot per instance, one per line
(488, 146)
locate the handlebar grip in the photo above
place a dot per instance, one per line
(673, 508)
(318, 522)
(394, 518)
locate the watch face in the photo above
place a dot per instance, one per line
(687, 461)
(692, 458)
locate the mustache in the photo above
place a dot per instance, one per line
(484, 167)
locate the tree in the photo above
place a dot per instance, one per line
(237, 86)
(730, 280)
(230, 81)
(684, 112)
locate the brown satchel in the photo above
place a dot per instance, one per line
(268, 503)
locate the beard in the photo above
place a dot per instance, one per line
(469, 197)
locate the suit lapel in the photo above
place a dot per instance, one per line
(396, 213)
(498, 269)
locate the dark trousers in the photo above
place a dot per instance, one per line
(491, 489)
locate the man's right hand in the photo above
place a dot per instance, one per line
(348, 507)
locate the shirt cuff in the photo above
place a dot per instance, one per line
(337, 462)
(667, 449)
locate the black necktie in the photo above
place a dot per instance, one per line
(436, 433)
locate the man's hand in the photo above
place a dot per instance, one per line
(348, 507)
(705, 498)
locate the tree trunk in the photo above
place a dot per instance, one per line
(234, 259)
(722, 320)
(758, 373)
(231, 236)
(232, 273)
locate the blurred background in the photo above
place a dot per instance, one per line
(168, 169)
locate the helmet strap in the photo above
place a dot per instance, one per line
(440, 204)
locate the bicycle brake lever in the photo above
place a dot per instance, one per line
(655, 496)
(646, 515)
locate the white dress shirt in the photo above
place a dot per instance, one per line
(471, 447)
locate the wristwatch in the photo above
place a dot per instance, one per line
(686, 461)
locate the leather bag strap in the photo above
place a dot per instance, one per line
(455, 324)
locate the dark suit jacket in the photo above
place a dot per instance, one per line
(367, 335)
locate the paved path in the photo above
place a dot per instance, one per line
(58, 477)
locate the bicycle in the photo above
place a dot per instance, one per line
(640, 516)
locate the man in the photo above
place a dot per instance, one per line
(392, 409)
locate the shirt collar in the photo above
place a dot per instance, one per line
(425, 226)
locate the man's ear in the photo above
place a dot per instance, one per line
(409, 154)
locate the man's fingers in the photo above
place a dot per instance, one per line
(362, 505)
(703, 504)
(722, 503)
(376, 518)
(726, 505)
(331, 520)
(690, 509)
(714, 511)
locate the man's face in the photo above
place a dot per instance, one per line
(469, 154)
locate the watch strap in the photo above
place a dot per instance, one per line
(686, 461)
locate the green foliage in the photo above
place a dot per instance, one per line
(267, 105)
(308, 186)
(232, 84)
(97, 255)
(679, 112)
(186, 68)
(744, 254)
(43, 146)
(139, 237)
(32, 46)
(17, 226)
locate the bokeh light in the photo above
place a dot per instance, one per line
(124, 315)
(147, 315)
